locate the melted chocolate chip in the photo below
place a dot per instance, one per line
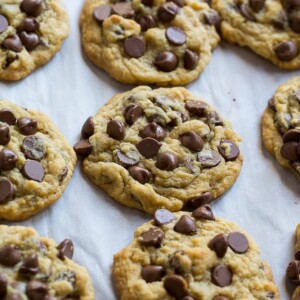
(209, 158)
(175, 36)
(116, 130)
(271, 104)
(8, 159)
(7, 116)
(33, 147)
(293, 270)
(30, 40)
(123, 9)
(289, 151)
(33, 170)
(214, 118)
(186, 225)
(238, 242)
(286, 51)
(257, 5)
(83, 148)
(3, 285)
(148, 147)
(176, 286)
(229, 150)
(219, 244)
(167, 161)
(6, 191)
(192, 141)
(140, 174)
(32, 7)
(212, 18)
(30, 24)
(197, 108)
(201, 200)
(88, 128)
(125, 160)
(246, 12)
(134, 46)
(27, 126)
(3, 23)
(154, 131)
(221, 276)
(152, 237)
(147, 2)
(13, 43)
(4, 135)
(163, 216)
(204, 212)
(190, 59)
(292, 135)
(167, 12)
(281, 20)
(101, 13)
(295, 23)
(30, 265)
(36, 290)
(132, 113)
(65, 249)
(166, 61)
(147, 22)
(152, 273)
(9, 255)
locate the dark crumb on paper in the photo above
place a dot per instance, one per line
(233, 99)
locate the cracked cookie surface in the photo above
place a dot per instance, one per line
(149, 41)
(160, 148)
(34, 268)
(270, 28)
(31, 33)
(36, 162)
(281, 125)
(192, 256)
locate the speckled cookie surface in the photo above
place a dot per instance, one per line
(36, 162)
(160, 148)
(281, 125)
(149, 41)
(31, 32)
(34, 268)
(268, 27)
(192, 257)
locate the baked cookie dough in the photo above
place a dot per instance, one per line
(192, 256)
(270, 28)
(31, 32)
(150, 149)
(150, 41)
(36, 162)
(281, 125)
(36, 268)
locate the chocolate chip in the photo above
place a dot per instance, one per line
(257, 5)
(147, 2)
(192, 141)
(175, 36)
(245, 12)
(134, 46)
(186, 225)
(116, 130)
(297, 255)
(33, 170)
(13, 43)
(292, 135)
(281, 20)
(9, 255)
(152, 273)
(88, 128)
(36, 290)
(18, 297)
(204, 212)
(238, 242)
(65, 249)
(295, 23)
(30, 265)
(286, 51)
(197, 108)
(32, 7)
(293, 3)
(4, 135)
(3, 23)
(163, 216)
(209, 158)
(229, 150)
(123, 9)
(27, 126)
(219, 244)
(154, 131)
(221, 276)
(148, 147)
(167, 12)
(289, 151)
(101, 13)
(83, 148)
(140, 174)
(30, 24)
(30, 40)
(214, 118)
(6, 191)
(293, 270)
(33, 147)
(7, 116)
(176, 286)
(213, 18)
(166, 61)
(167, 161)
(147, 22)
(125, 160)
(3, 285)
(152, 237)
(190, 59)
(271, 104)
(201, 200)
(63, 174)
(8, 159)
(132, 113)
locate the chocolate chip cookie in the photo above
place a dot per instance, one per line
(270, 28)
(36, 268)
(31, 32)
(160, 148)
(150, 41)
(281, 125)
(192, 256)
(36, 162)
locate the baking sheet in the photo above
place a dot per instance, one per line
(264, 201)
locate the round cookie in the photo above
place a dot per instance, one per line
(270, 28)
(150, 149)
(281, 125)
(150, 41)
(36, 162)
(192, 256)
(35, 268)
(31, 32)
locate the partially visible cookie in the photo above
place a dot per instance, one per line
(36, 268)
(36, 162)
(160, 148)
(31, 32)
(149, 41)
(192, 256)
(270, 28)
(281, 125)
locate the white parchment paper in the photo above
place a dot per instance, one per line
(264, 201)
